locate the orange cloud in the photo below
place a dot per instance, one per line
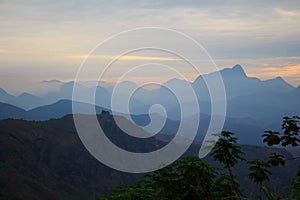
(291, 70)
(124, 57)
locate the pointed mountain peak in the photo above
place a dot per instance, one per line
(279, 78)
(236, 70)
(237, 67)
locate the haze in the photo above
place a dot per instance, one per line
(45, 40)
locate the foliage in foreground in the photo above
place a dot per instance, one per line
(191, 178)
(187, 178)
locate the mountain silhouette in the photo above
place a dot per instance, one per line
(52, 111)
(47, 160)
(246, 97)
(24, 100)
(10, 111)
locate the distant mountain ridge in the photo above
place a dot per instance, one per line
(237, 83)
(247, 129)
(235, 79)
(24, 100)
(52, 111)
(267, 100)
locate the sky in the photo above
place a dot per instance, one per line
(44, 40)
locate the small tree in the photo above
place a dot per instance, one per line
(186, 178)
(295, 186)
(289, 137)
(259, 173)
(105, 112)
(227, 152)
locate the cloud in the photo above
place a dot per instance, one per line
(110, 57)
(288, 71)
(38, 34)
(288, 13)
(270, 70)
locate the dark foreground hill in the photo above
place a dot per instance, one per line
(46, 160)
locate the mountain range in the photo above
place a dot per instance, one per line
(56, 110)
(252, 104)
